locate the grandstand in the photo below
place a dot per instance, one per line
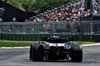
(68, 12)
(74, 11)
(71, 18)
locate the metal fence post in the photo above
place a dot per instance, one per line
(91, 27)
(97, 28)
(72, 27)
(54, 28)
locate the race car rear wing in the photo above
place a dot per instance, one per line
(57, 39)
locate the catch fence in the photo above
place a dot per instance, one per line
(79, 27)
(31, 31)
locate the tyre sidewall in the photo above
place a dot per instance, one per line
(77, 53)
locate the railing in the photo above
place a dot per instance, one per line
(79, 27)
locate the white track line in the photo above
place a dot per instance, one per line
(97, 44)
(12, 47)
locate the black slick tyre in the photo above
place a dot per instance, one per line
(30, 52)
(77, 53)
(37, 52)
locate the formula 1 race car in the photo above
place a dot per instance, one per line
(56, 48)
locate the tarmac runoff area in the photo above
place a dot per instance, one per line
(20, 57)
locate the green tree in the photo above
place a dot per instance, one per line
(16, 3)
(37, 6)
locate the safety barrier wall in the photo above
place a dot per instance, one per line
(38, 37)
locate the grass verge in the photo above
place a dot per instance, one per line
(10, 43)
(84, 42)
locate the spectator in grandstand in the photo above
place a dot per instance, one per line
(86, 13)
(26, 20)
(14, 19)
(95, 5)
(98, 7)
(34, 20)
(74, 17)
(81, 9)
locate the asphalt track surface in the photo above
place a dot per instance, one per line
(20, 57)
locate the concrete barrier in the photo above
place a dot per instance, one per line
(38, 37)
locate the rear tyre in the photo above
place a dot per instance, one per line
(37, 52)
(31, 47)
(77, 53)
